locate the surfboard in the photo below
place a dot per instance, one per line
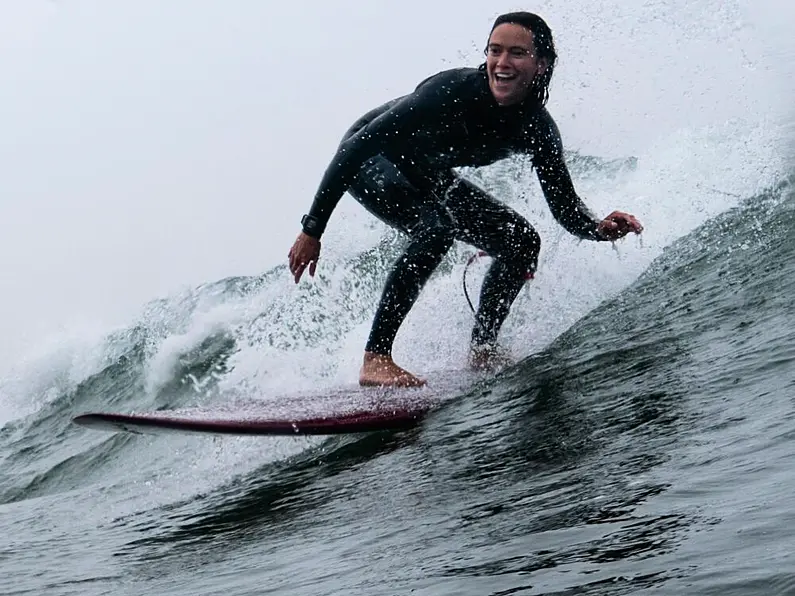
(251, 423)
(355, 410)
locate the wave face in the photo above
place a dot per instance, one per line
(641, 442)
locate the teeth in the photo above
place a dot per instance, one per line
(501, 75)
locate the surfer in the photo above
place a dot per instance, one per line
(398, 159)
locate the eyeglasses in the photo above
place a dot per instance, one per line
(495, 50)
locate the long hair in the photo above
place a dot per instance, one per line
(544, 46)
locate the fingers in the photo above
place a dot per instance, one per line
(637, 227)
(297, 271)
(626, 220)
(618, 224)
(295, 265)
(607, 229)
(302, 255)
(298, 266)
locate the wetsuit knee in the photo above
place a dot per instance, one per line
(521, 248)
(515, 263)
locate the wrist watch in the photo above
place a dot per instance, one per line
(311, 226)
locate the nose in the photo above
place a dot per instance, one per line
(504, 58)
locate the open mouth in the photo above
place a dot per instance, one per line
(503, 77)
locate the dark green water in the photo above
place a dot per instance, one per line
(648, 449)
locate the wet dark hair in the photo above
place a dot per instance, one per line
(544, 46)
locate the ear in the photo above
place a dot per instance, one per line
(543, 64)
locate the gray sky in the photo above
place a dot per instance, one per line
(151, 144)
(148, 144)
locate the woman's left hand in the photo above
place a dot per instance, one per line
(617, 225)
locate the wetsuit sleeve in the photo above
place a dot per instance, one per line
(393, 128)
(553, 174)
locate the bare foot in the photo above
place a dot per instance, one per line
(380, 370)
(489, 358)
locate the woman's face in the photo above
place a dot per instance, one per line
(511, 63)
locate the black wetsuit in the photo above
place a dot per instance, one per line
(397, 162)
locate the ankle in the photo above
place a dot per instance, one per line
(375, 357)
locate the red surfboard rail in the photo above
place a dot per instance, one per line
(158, 422)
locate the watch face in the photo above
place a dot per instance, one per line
(310, 224)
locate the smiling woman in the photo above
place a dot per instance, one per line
(398, 161)
(149, 144)
(520, 56)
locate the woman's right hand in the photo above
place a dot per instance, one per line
(305, 252)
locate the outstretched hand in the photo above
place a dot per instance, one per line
(617, 225)
(305, 252)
